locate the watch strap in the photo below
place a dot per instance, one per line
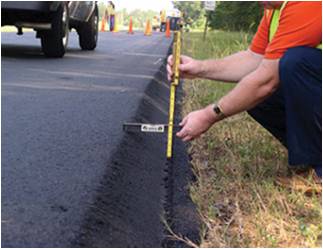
(218, 110)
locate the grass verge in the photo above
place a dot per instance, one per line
(236, 163)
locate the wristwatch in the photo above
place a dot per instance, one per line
(218, 110)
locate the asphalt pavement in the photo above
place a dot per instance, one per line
(70, 176)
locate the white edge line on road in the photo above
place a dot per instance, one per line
(156, 62)
(143, 54)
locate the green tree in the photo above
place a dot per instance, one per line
(102, 7)
(139, 17)
(236, 16)
(193, 12)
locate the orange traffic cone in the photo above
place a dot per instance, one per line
(130, 31)
(103, 24)
(148, 28)
(167, 33)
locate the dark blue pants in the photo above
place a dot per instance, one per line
(111, 23)
(293, 114)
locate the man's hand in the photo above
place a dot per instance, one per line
(188, 68)
(196, 123)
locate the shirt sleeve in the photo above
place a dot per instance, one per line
(260, 40)
(300, 25)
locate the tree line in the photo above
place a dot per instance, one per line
(228, 15)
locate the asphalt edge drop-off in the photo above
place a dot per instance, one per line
(141, 190)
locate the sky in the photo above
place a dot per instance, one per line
(156, 5)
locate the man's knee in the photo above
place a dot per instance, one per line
(291, 62)
(297, 61)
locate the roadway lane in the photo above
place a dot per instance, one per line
(61, 122)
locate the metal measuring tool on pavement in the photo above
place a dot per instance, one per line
(170, 127)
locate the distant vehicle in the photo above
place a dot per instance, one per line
(52, 22)
(175, 23)
(175, 19)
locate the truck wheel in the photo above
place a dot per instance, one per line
(88, 32)
(54, 41)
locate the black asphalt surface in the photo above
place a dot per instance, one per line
(70, 176)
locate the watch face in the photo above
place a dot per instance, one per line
(217, 109)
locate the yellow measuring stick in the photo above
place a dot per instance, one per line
(175, 81)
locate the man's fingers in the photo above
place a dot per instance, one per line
(181, 133)
(169, 72)
(170, 60)
(184, 67)
(187, 138)
(184, 135)
(184, 58)
(184, 121)
(169, 67)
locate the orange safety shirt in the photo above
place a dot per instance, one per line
(300, 24)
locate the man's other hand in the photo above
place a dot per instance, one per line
(189, 68)
(196, 123)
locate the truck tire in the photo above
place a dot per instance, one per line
(88, 32)
(54, 41)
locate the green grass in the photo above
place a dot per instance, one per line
(236, 163)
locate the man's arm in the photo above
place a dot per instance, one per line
(251, 90)
(230, 69)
